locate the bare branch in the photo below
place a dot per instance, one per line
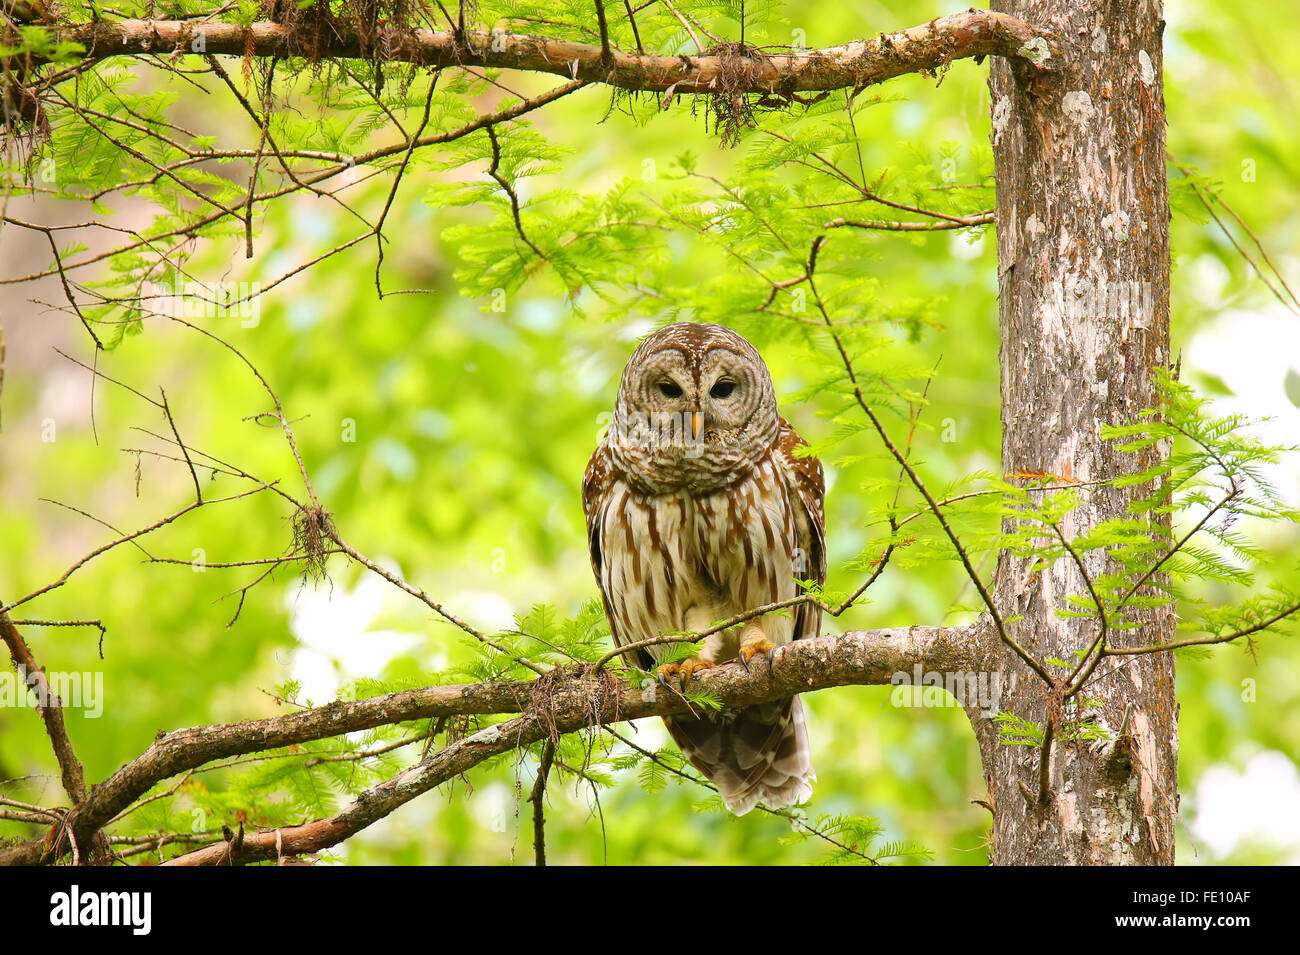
(1208, 639)
(127, 538)
(853, 65)
(881, 225)
(538, 795)
(504, 183)
(51, 710)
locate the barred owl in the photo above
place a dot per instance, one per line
(697, 511)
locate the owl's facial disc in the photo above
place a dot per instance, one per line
(695, 408)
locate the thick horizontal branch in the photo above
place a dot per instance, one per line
(851, 66)
(571, 702)
(561, 702)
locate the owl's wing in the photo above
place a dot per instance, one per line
(806, 481)
(597, 491)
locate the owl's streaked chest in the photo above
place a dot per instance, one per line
(672, 559)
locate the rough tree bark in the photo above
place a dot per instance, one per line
(975, 33)
(1083, 266)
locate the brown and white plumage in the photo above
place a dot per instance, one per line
(698, 510)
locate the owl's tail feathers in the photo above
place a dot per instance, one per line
(756, 754)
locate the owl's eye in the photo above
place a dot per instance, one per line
(722, 389)
(670, 390)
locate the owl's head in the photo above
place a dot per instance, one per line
(696, 404)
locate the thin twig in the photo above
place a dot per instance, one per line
(538, 799)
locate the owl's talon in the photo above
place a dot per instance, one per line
(684, 670)
(754, 648)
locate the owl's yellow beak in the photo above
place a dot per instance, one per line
(697, 425)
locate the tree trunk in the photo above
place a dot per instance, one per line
(1083, 265)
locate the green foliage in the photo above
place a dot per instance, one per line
(550, 638)
(1015, 731)
(37, 41)
(1205, 478)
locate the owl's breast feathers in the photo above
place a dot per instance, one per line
(808, 481)
(721, 552)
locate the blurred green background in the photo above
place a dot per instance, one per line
(472, 428)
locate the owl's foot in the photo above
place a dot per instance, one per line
(753, 648)
(684, 670)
